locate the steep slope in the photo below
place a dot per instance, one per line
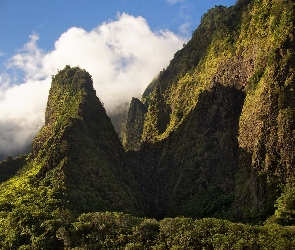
(10, 166)
(77, 164)
(223, 112)
(189, 158)
(184, 173)
(191, 71)
(266, 133)
(79, 145)
(134, 125)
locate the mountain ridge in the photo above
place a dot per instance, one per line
(250, 49)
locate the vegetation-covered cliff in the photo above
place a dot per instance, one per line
(78, 144)
(132, 131)
(212, 136)
(77, 164)
(218, 135)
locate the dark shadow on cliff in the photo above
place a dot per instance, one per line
(192, 172)
(10, 166)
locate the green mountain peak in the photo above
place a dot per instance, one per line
(79, 145)
(77, 164)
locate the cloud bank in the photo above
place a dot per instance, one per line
(122, 56)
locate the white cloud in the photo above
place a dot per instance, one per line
(122, 56)
(175, 1)
(185, 29)
(22, 114)
(29, 59)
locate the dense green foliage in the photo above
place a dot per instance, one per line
(123, 231)
(285, 213)
(266, 127)
(119, 231)
(177, 88)
(78, 149)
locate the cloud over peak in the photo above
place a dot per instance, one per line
(122, 56)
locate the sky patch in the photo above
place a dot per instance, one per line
(175, 1)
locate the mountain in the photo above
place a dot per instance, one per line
(218, 134)
(192, 171)
(77, 164)
(212, 136)
(79, 145)
(133, 128)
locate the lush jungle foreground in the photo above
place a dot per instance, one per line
(111, 230)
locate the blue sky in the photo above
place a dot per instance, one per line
(123, 44)
(50, 18)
